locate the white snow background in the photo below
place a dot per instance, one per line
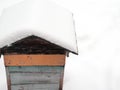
(97, 67)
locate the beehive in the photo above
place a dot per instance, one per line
(33, 63)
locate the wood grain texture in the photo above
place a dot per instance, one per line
(8, 78)
(35, 87)
(24, 69)
(34, 60)
(36, 77)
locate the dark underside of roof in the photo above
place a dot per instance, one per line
(33, 45)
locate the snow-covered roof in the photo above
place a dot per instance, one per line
(40, 18)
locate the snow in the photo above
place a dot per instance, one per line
(40, 18)
(3, 81)
(97, 67)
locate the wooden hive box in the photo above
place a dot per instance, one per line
(34, 64)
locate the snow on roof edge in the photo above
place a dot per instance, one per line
(15, 25)
(11, 39)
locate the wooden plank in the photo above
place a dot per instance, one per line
(35, 78)
(61, 81)
(8, 78)
(34, 60)
(21, 69)
(36, 87)
(42, 74)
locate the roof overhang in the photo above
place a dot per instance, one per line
(40, 18)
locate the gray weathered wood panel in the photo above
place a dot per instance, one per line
(35, 87)
(35, 77)
(37, 69)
